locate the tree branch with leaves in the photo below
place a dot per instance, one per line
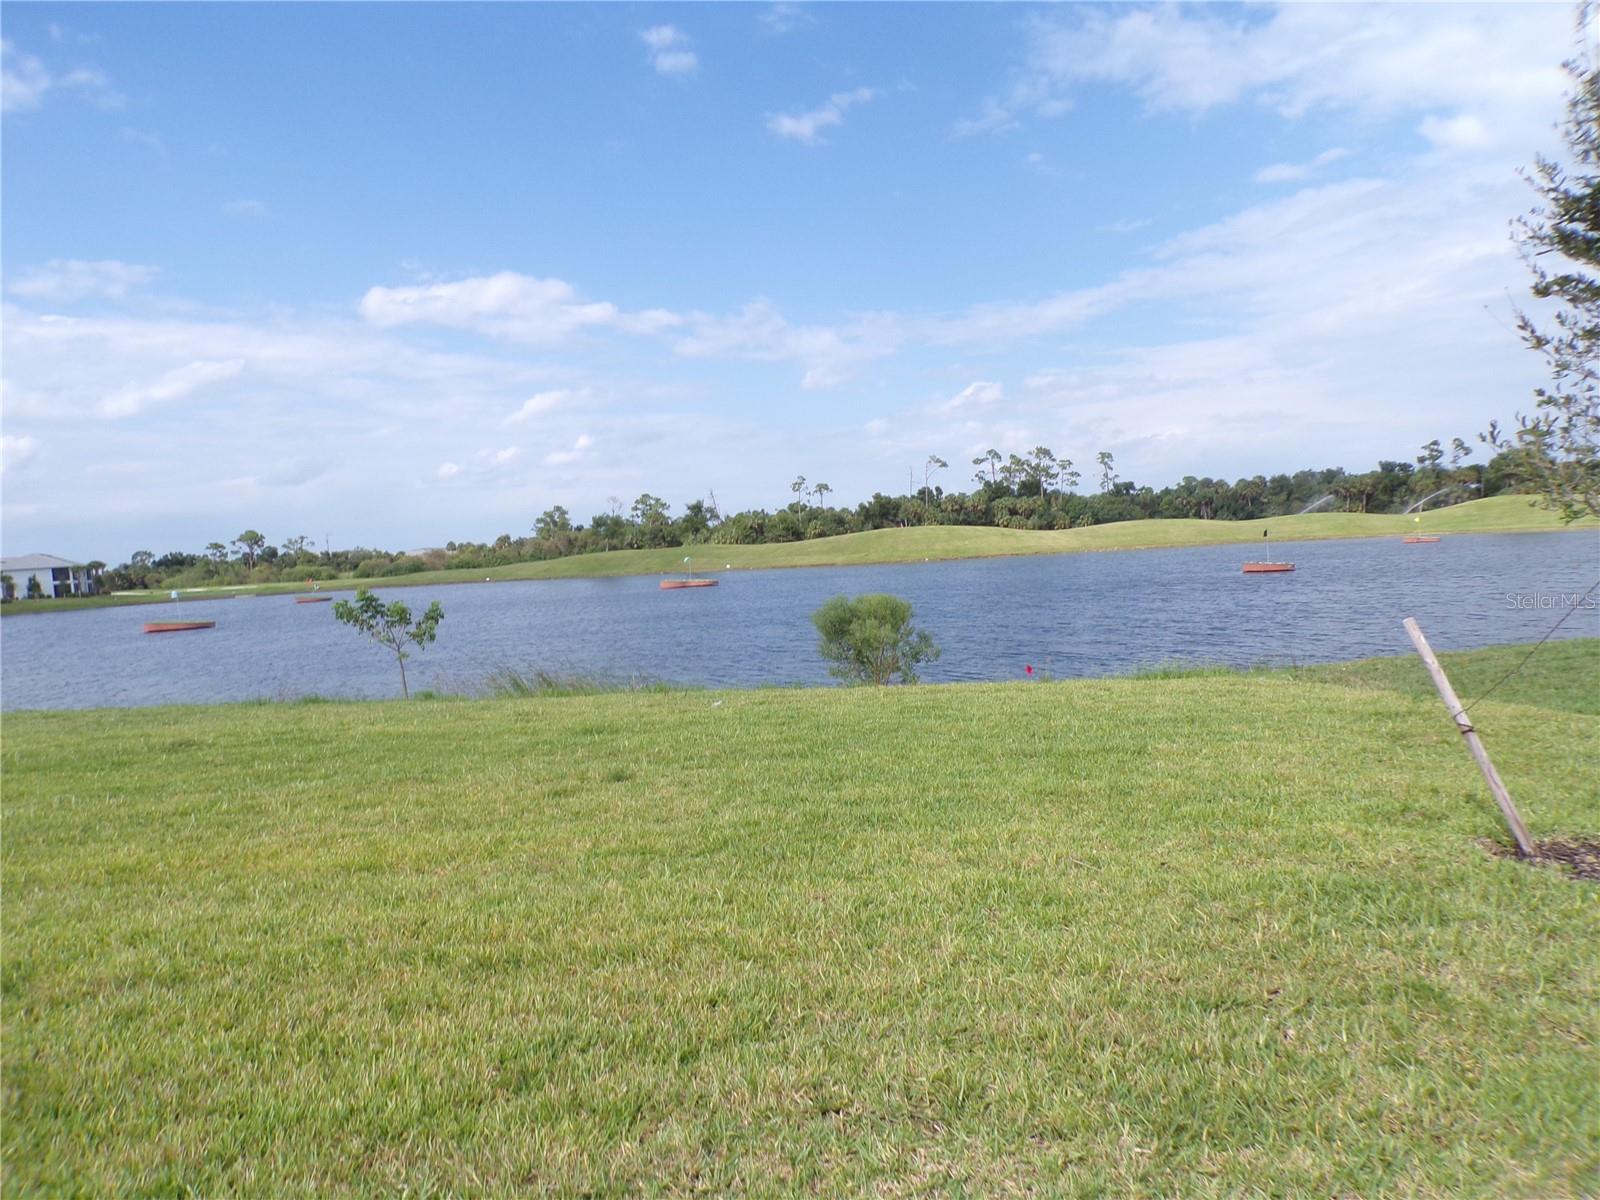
(390, 625)
(1557, 449)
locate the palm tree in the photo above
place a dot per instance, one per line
(1248, 493)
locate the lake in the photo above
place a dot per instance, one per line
(1067, 615)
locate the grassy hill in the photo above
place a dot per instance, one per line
(1220, 935)
(1498, 514)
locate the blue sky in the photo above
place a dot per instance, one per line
(404, 273)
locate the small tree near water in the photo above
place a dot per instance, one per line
(390, 625)
(871, 639)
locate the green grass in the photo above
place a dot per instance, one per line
(1560, 674)
(535, 684)
(164, 596)
(1218, 936)
(1498, 514)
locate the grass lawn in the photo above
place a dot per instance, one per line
(1219, 935)
(1497, 514)
(1559, 674)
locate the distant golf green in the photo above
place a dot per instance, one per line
(1498, 514)
(1225, 935)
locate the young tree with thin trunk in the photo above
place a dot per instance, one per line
(390, 625)
(989, 459)
(934, 463)
(1042, 466)
(1108, 476)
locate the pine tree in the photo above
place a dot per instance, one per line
(1557, 449)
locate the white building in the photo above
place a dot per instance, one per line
(56, 576)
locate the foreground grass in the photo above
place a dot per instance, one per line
(1497, 514)
(1209, 936)
(1559, 674)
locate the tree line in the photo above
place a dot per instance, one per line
(1031, 490)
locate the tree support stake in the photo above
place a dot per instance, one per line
(1464, 727)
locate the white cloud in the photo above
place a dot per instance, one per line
(669, 50)
(877, 427)
(176, 384)
(16, 449)
(828, 354)
(561, 458)
(548, 312)
(807, 127)
(515, 307)
(676, 62)
(994, 118)
(63, 281)
(785, 18)
(93, 85)
(662, 37)
(66, 33)
(980, 393)
(1311, 356)
(311, 382)
(144, 137)
(1296, 172)
(1497, 62)
(1487, 73)
(1009, 322)
(541, 403)
(1460, 132)
(488, 465)
(1126, 225)
(63, 369)
(1335, 324)
(292, 472)
(25, 81)
(1039, 165)
(253, 209)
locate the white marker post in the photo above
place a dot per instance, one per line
(1464, 726)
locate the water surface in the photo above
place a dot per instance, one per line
(1067, 615)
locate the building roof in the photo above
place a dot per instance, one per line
(36, 562)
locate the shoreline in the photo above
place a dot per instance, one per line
(581, 685)
(958, 542)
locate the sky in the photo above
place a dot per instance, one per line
(399, 274)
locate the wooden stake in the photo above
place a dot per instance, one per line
(1464, 725)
